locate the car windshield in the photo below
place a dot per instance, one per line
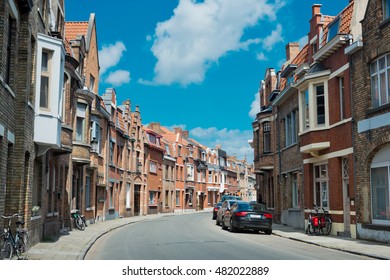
(251, 207)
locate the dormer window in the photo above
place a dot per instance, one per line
(333, 29)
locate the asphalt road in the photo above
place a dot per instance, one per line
(196, 237)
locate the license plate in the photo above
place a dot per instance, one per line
(256, 216)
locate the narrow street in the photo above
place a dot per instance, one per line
(196, 237)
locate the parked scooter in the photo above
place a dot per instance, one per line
(79, 220)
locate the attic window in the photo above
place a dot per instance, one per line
(333, 29)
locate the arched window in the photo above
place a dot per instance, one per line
(380, 186)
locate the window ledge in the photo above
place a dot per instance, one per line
(377, 227)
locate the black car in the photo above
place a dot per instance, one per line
(215, 209)
(221, 211)
(247, 215)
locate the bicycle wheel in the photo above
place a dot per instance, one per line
(328, 226)
(309, 229)
(6, 251)
(80, 223)
(23, 246)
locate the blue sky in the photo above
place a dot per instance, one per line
(196, 64)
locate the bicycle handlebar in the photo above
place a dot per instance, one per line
(12, 216)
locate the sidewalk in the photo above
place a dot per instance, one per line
(75, 244)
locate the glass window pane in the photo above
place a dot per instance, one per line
(382, 63)
(373, 68)
(383, 95)
(44, 96)
(380, 193)
(324, 186)
(45, 62)
(375, 91)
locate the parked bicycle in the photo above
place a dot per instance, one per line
(14, 245)
(79, 219)
(319, 222)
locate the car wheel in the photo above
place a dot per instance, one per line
(232, 228)
(217, 222)
(268, 231)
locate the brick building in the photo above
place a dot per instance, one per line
(287, 125)
(370, 64)
(154, 152)
(17, 150)
(265, 144)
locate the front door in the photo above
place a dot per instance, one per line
(137, 200)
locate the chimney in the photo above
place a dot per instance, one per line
(316, 9)
(185, 134)
(292, 50)
(155, 126)
(177, 130)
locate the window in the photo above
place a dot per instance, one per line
(306, 109)
(166, 198)
(386, 9)
(320, 104)
(111, 196)
(267, 137)
(177, 198)
(210, 177)
(45, 79)
(152, 167)
(95, 137)
(190, 172)
(80, 122)
(294, 190)
(321, 192)
(189, 196)
(291, 129)
(380, 187)
(87, 192)
(333, 29)
(152, 139)
(11, 27)
(111, 152)
(179, 151)
(128, 196)
(342, 101)
(314, 47)
(152, 198)
(380, 84)
(166, 175)
(167, 149)
(91, 83)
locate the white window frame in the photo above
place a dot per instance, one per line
(128, 196)
(153, 198)
(308, 107)
(376, 84)
(321, 186)
(152, 167)
(190, 172)
(80, 117)
(291, 129)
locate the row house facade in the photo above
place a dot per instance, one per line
(201, 174)
(310, 116)
(370, 64)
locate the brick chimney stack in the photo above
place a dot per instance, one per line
(292, 50)
(185, 134)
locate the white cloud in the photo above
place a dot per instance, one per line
(199, 34)
(261, 56)
(234, 142)
(274, 38)
(118, 77)
(110, 55)
(255, 106)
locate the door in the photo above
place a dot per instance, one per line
(137, 200)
